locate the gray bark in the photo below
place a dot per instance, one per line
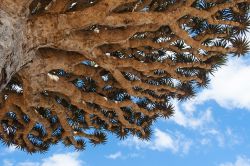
(14, 48)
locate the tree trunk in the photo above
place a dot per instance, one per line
(15, 51)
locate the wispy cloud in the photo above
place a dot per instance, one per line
(164, 141)
(114, 156)
(191, 119)
(8, 150)
(240, 161)
(120, 155)
(71, 159)
(161, 141)
(11, 149)
(27, 163)
(7, 162)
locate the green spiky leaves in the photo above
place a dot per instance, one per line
(101, 138)
(241, 46)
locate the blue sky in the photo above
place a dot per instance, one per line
(213, 129)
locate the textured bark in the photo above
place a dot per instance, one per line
(68, 66)
(15, 50)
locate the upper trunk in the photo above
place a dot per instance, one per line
(14, 48)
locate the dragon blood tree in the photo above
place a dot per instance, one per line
(73, 70)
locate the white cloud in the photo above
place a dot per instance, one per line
(190, 119)
(230, 86)
(120, 155)
(162, 141)
(135, 143)
(114, 156)
(221, 137)
(240, 161)
(28, 164)
(205, 141)
(7, 150)
(11, 149)
(71, 159)
(7, 163)
(232, 138)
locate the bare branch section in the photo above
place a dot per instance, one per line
(113, 65)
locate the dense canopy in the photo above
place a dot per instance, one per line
(110, 66)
